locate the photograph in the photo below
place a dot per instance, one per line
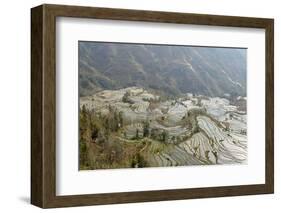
(149, 104)
(155, 105)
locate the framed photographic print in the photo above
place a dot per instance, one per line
(136, 106)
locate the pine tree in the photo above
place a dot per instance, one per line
(146, 129)
(137, 133)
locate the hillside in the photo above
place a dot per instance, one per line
(132, 128)
(169, 70)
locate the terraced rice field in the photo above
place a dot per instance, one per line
(178, 132)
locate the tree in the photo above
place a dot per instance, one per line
(138, 161)
(115, 121)
(153, 133)
(216, 156)
(95, 132)
(165, 136)
(112, 119)
(83, 155)
(84, 110)
(121, 120)
(84, 124)
(137, 133)
(126, 98)
(146, 129)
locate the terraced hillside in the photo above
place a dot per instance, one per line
(134, 127)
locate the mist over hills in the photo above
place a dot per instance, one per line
(172, 70)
